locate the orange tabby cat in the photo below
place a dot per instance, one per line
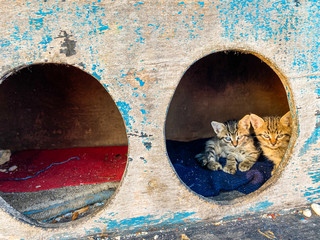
(273, 134)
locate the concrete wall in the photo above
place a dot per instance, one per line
(139, 51)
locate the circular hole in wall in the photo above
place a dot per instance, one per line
(219, 87)
(67, 142)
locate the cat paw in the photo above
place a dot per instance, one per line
(244, 166)
(214, 166)
(201, 158)
(230, 169)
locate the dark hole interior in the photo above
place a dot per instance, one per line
(46, 107)
(50, 106)
(221, 86)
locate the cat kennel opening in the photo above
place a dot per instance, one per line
(67, 139)
(221, 86)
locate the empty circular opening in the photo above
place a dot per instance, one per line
(63, 143)
(220, 87)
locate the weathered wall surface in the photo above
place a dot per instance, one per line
(139, 50)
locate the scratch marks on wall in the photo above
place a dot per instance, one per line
(139, 134)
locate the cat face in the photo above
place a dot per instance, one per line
(233, 133)
(272, 132)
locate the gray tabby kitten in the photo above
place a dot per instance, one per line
(233, 142)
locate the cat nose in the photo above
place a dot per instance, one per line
(235, 143)
(273, 141)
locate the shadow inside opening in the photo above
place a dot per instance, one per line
(219, 87)
(67, 140)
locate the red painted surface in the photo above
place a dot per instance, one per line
(48, 169)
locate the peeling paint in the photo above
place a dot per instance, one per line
(148, 145)
(261, 206)
(136, 223)
(124, 109)
(68, 46)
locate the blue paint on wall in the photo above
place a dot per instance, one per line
(138, 3)
(149, 220)
(201, 3)
(46, 39)
(140, 81)
(43, 12)
(5, 43)
(261, 206)
(143, 111)
(277, 22)
(147, 144)
(261, 21)
(37, 23)
(124, 109)
(312, 193)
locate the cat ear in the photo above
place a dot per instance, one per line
(245, 122)
(256, 121)
(286, 119)
(217, 127)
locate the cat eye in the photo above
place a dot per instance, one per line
(280, 136)
(228, 139)
(239, 137)
(266, 136)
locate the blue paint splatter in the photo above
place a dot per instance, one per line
(44, 13)
(313, 193)
(95, 230)
(143, 111)
(140, 81)
(96, 75)
(46, 39)
(5, 43)
(138, 3)
(147, 144)
(261, 206)
(124, 109)
(201, 4)
(37, 23)
(149, 220)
